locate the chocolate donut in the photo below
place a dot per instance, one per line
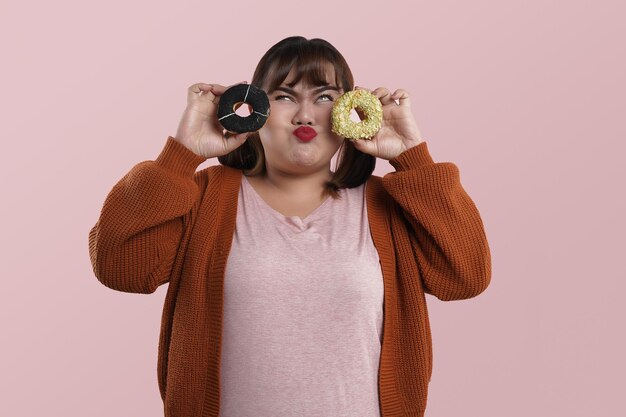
(365, 101)
(243, 93)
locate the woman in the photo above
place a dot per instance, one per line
(294, 290)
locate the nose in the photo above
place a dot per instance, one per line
(304, 115)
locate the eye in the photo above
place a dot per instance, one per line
(280, 97)
(328, 96)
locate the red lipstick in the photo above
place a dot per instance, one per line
(305, 133)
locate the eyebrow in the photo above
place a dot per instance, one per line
(317, 90)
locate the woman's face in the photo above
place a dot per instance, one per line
(292, 106)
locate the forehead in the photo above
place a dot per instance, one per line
(329, 77)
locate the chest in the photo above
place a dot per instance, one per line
(292, 206)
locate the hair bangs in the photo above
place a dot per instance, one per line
(311, 63)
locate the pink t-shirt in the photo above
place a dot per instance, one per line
(303, 311)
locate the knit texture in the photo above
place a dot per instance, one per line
(163, 222)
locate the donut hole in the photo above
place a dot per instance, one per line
(354, 116)
(241, 110)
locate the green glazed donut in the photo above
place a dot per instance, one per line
(363, 100)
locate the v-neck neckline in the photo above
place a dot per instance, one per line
(280, 215)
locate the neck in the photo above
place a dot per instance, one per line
(300, 186)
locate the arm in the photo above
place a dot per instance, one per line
(135, 241)
(447, 234)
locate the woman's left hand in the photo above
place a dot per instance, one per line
(399, 130)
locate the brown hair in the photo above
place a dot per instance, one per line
(309, 57)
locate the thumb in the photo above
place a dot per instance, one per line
(242, 136)
(232, 136)
(364, 145)
(237, 140)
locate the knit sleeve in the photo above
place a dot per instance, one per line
(446, 230)
(134, 242)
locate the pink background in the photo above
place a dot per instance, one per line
(526, 97)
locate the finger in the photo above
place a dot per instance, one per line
(383, 95)
(402, 96)
(200, 87)
(240, 82)
(380, 92)
(236, 138)
(364, 145)
(200, 90)
(243, 136)
(218, 89)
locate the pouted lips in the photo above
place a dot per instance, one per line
(305, 133)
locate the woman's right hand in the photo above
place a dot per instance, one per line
(199, 130)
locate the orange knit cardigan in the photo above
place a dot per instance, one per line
(163, 222)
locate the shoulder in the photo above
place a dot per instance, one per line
(374, 179)
(377, 196)
(374, 185)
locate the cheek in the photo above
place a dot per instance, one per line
(275, 119)
(274, 126)
(326, 114)
(279, 110)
